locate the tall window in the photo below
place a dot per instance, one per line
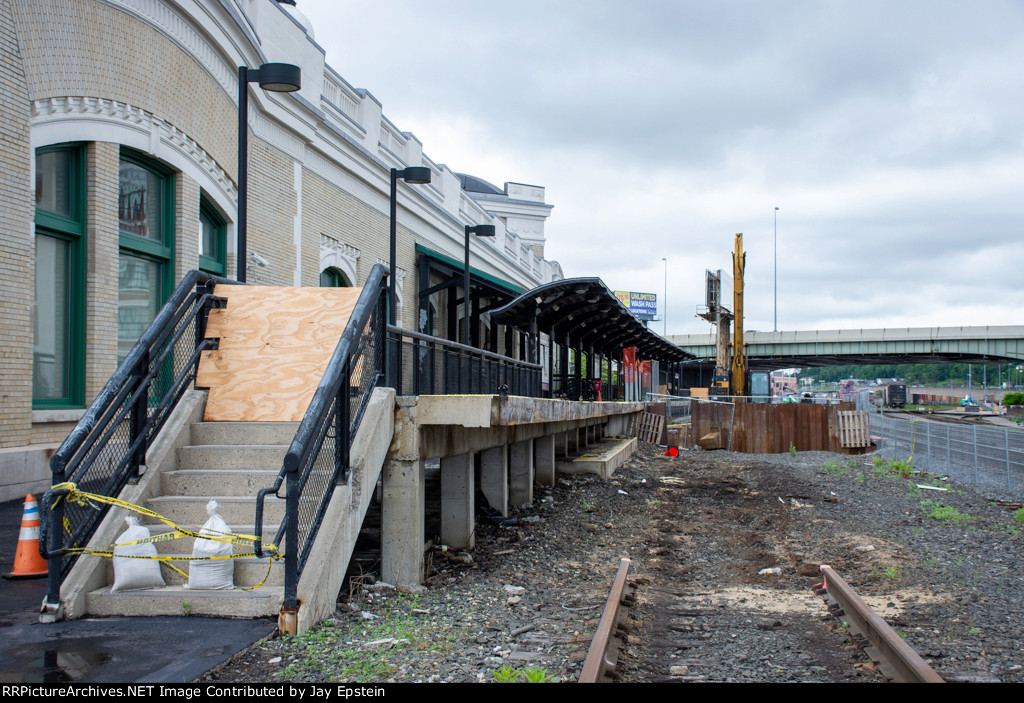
(145, 265)
(333, 278)
(212, 239)
(58, 310)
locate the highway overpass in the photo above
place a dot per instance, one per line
(905, 345)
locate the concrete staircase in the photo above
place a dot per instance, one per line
(229, 462)
(193, 461)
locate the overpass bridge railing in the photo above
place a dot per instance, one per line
(991, 458)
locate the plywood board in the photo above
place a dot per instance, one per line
(274, 344)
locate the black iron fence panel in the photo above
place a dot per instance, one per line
(108, 445)
(433, 366)
(318, 458)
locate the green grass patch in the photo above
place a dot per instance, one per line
(937, 511)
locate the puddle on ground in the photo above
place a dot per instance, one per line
(53, 662)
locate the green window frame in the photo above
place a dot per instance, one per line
(146, 245)
(331, 277)
(61, 227)
(212, 239)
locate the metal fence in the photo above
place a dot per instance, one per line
(991, 458)
(711, 424)
(428, 365)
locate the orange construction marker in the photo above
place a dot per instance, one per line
(28, 563)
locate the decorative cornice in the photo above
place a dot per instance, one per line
(345, 250)
(127, 116)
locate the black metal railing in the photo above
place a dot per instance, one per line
(104, 451)
(318, 458)
(434, 366)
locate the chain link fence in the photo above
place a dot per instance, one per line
(991, 458)
(711, 423)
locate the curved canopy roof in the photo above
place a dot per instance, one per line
(590, 314)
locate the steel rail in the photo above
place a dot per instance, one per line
(895, 658)
(603, 657)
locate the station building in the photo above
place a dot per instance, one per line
(120, 150)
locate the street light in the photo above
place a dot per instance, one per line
(411, 174)
(775, 255)
(480, 231)
(665, 302)
(276, 78)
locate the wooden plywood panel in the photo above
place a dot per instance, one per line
(274, 345)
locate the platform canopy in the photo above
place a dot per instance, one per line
(587, 312)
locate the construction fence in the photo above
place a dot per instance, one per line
(991, 458)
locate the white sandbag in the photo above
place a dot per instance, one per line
(216, 574)
(133, 574)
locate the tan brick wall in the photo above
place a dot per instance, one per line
(17, 248)
(89, 48)
(101, 243)
(272, 208)
(186, 224)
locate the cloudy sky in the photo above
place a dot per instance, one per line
(890, 135)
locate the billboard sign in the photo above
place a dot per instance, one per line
(643, 305)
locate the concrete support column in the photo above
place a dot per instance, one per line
(458, 513)
(544, 459)
(573, 440)
(521, 472)
(494, 477)
(562, 444)
(402, 516)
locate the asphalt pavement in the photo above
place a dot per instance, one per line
(121, 650)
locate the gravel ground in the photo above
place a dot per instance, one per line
(698, 528)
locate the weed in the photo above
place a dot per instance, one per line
(792, 450)
(912, 489)
(892, 573)
(587, 507)
(861, 478)
(974, 630)
(1019, 515)
(903, 468)
(880, 471)
(938, 511)
(901, 633)
(186, 608)
(534, 674)
(506, 674)
(852, 464)
(833, 468)
(917, 531)
(877, 461)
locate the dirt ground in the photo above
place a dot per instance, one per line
(700, 529)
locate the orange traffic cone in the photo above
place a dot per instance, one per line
(27, 561)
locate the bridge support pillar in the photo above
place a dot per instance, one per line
(494, 477)
(521, 472)
(402, 513)
(544, 459)
(573, 437)
(458, 513)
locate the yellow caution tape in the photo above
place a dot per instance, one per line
(90, 499)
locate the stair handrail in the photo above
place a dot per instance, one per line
(364, 332)
(125, 406)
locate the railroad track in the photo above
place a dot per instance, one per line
(894, 657)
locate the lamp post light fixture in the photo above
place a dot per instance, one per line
(775, 276)
(665, 303)
(276, 78)
(416, 175)
(480, 231)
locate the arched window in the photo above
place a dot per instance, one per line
(145, 210)
(333, 278)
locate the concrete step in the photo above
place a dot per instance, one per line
(248, 571)
(280, 433)
(228, 482)
(601, 459)
(190, 511)
(264, 601)
(265, 457)
(184, 545)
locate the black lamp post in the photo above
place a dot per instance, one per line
(411, 174)
(480, 231)
(277, 78)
